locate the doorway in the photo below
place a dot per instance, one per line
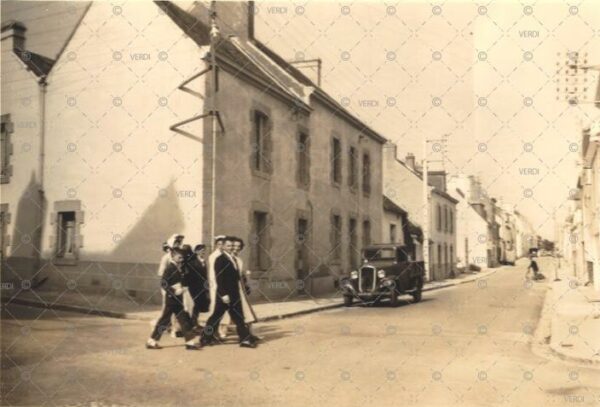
(302, 266)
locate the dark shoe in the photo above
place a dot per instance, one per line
(195, 346)
(248, 344)
(179, 334)
(155, 346)
(207, 341)
(254, 338)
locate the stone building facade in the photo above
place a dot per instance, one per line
(22, 198)
(297, 176)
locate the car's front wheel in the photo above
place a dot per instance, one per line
(417, 294)
(348, 299)
(394, 298)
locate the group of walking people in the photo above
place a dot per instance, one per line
(191, 285)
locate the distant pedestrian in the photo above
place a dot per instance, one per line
(533, 266)
(172, 283)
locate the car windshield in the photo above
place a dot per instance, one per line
(379, 254)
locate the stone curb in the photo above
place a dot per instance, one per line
(133, 316)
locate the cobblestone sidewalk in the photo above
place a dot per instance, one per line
(111, 306)
(574, 320)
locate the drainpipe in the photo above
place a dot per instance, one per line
(42, 157)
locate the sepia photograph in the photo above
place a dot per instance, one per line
(300, 203)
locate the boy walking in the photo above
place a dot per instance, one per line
(172, 284)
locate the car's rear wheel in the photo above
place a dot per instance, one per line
(417, 294)
(348, 299)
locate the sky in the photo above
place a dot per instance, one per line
(481, 76)
(476, 79)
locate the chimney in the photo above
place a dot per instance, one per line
(410, 161)
(233, 17)
(14, 31)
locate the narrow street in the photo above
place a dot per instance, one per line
(466, 345)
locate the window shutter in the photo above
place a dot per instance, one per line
(79, 216)
(9, 127)
(11, 148)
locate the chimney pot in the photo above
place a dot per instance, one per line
(14, 31)
(410, 161)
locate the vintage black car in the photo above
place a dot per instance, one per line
(387, 271)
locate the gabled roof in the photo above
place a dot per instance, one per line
(252, 59)
(390, 206)
(38, 64)
(238, 56)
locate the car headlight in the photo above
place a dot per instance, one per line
(354, 274)
(381, 273)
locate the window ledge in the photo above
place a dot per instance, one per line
(261, 174)
(61, 261)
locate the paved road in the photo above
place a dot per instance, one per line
(467, 345)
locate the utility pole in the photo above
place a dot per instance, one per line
(214, 34)
(426, 211)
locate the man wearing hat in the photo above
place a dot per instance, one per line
(173, 242)
(197, 282)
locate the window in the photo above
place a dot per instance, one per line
(353, 248)
(445, 258)
(451, 221)
(392, 233)
(66, 235)
(67, 239)
(336, 160)
(6, 149)
(336, 237)
(366, 233)
(352, 168)
(260, 244)
(445, 218)
(303, 169)
(366, 175)
(261, 142)
(439, 218)
(439, 260)
(4, 221)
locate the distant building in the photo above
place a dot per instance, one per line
(471, 226)
(403, 185)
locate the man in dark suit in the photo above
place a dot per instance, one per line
(196, 280)
(228, 299)
(172, 284)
